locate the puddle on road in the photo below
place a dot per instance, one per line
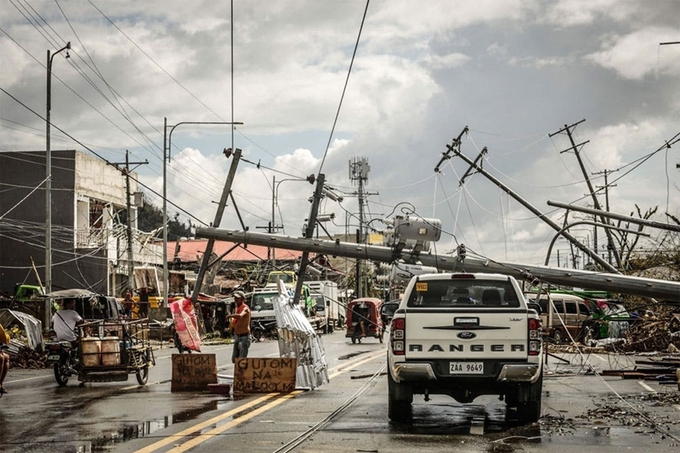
(144, 429)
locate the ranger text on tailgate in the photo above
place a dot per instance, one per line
(465, 335)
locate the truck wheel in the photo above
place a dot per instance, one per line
(325, 328)
(530, 410)
(399, 400)
(143, 370)
(557, 336)
(331, 327)
(61, 373)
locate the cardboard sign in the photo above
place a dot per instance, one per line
(193, 372)
(264, 375)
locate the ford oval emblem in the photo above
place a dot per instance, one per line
(466, 335)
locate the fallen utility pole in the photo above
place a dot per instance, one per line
(594, 256)
(624, 218)
(616, 283)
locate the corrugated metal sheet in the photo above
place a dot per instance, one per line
(299, 340)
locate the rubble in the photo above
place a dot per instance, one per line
(23, 357)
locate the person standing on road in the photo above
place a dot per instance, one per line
(241, 320)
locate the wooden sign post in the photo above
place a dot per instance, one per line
(191, 372)
(264, 375)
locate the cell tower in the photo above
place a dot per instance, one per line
(358, 173)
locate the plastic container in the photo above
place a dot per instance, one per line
(110, 351)
(91, 350)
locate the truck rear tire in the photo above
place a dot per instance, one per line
(530, 410)
(399, 400)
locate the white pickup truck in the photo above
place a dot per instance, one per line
(465, 335)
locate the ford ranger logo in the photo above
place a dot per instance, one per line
(467, 335)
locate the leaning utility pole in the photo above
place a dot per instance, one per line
(596, 203)
(216, 223)
(454, 149)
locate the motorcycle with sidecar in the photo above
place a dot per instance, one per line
(366, 311)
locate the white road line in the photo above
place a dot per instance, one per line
(646, 387)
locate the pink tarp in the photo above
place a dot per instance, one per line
(184, 316)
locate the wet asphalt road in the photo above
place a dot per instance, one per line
(581, 412)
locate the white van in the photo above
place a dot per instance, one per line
(570, 314)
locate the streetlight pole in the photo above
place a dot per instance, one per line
(167, 138)
(275, 193)
(48, 172)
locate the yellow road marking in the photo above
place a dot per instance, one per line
(192, 429)
(340, 369)
(220, 429)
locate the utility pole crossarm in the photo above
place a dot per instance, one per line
(595, 257)
(450, 149)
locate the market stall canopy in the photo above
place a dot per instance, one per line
(75, 293)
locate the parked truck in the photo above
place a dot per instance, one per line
(465, 335)
(326, 305)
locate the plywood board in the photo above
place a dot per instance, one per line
(193, 372)
(264, 375)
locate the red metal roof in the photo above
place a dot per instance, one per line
(192, 250)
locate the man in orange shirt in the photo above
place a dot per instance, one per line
(241, 319)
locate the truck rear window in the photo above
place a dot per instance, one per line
(463, 293)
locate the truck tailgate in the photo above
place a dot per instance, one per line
(458, 334)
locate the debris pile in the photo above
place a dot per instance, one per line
(655, 334)
(23, 357)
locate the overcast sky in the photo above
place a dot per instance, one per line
(513, 71)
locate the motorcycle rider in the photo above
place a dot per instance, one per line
(65, 321)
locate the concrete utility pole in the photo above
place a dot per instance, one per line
(309, 233)
(167, 153)
(596, 202)
(606, 203)
(48, 180)
(205, 261)
(534, 210)
(126, 172)
(617, 283)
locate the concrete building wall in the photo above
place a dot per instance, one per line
(80, 253)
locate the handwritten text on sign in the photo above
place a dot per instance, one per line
(193, 372)
(264, 375)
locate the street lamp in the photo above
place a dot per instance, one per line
(166, 158)
(48, 173)
(275, 194)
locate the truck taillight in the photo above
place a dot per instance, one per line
(534, 336)
(398, 336)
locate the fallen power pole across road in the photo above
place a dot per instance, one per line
(617, 283)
